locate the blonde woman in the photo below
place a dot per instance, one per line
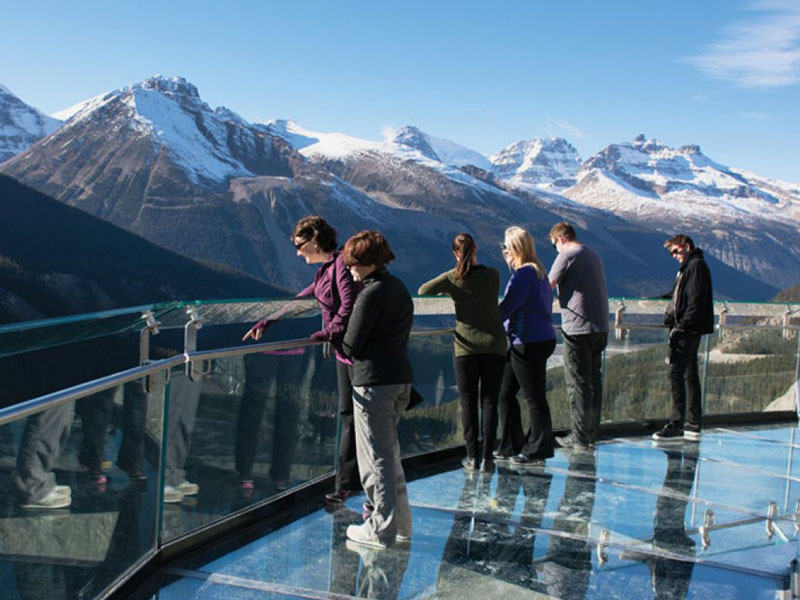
(527, 313)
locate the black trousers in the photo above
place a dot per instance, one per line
(684, 378)
(478, 379)
(527, 368)
(347, 475)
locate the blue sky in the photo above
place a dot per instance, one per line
(724, 74)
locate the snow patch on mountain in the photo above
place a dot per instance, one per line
(21, 125)
(438, 149)
(647, 179)
(549, 163)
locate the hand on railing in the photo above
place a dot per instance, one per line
(257, 330)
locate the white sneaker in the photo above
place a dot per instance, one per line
(358, 534)
(172, 495)
(51, 500)
(64, 490)
(402, 539)
(188, 488)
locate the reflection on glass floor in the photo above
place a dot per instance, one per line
(629, 520)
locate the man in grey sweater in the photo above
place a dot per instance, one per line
(580, 277)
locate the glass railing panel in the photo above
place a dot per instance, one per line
(30, 336)
(227, 312)
(635, 376)
(750, 371)
(247, 428)
(80, 492)
(436, 422)
(37, 373)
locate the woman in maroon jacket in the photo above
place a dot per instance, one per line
(336, 292)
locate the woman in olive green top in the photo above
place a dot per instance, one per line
(480, 345)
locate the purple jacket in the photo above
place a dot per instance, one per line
(335, 299)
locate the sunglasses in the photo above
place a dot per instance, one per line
(299, 245)
(675, 251)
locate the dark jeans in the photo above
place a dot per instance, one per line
(478, 378)
(347, 476)
(527, 368)
(97, 413)
(266, 379)
(683, 377)
(583, 361)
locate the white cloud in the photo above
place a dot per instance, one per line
(388, 131)
(755, 116)
(555, 125)
(763, 51)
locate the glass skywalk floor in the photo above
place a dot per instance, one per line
(631, 519)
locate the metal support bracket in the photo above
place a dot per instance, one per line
(708, 520)
(620, 332)
(150, 328)
(772, 512)
(602, 542)
(723, 319)
(788, 333)
(194, 369)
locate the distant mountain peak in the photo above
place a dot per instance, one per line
(545, 162)
(169, 86)
(21, 125)
(438, 149)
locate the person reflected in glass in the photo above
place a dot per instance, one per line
(376, 341)
(479, 346)
(44, 437)
(485, 540)
(567, 568)
(671, 578)
(527, 313)
(335, 291)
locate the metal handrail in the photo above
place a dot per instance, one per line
(53, 399)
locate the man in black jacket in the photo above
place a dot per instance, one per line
(689, 315)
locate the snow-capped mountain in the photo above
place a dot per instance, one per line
(156, 159)
(646, 177)
(438, 149)
(750, 223)
(21, 125)
(549, 163)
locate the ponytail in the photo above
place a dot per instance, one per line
(464, 247)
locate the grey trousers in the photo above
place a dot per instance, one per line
(44, 437)
(376, 411)
(184, 398)
(583, 361)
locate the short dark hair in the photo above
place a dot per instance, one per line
(367, 248)
(679, 240)
(565, 230)
(314, 227)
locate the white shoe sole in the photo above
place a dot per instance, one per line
(692, 436)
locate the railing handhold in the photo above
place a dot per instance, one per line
(620, 332)
(602, 542)
(788, 332)
(193, 370)
(150, 328)
(723, 319)
(772, 512)
(708, 520)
